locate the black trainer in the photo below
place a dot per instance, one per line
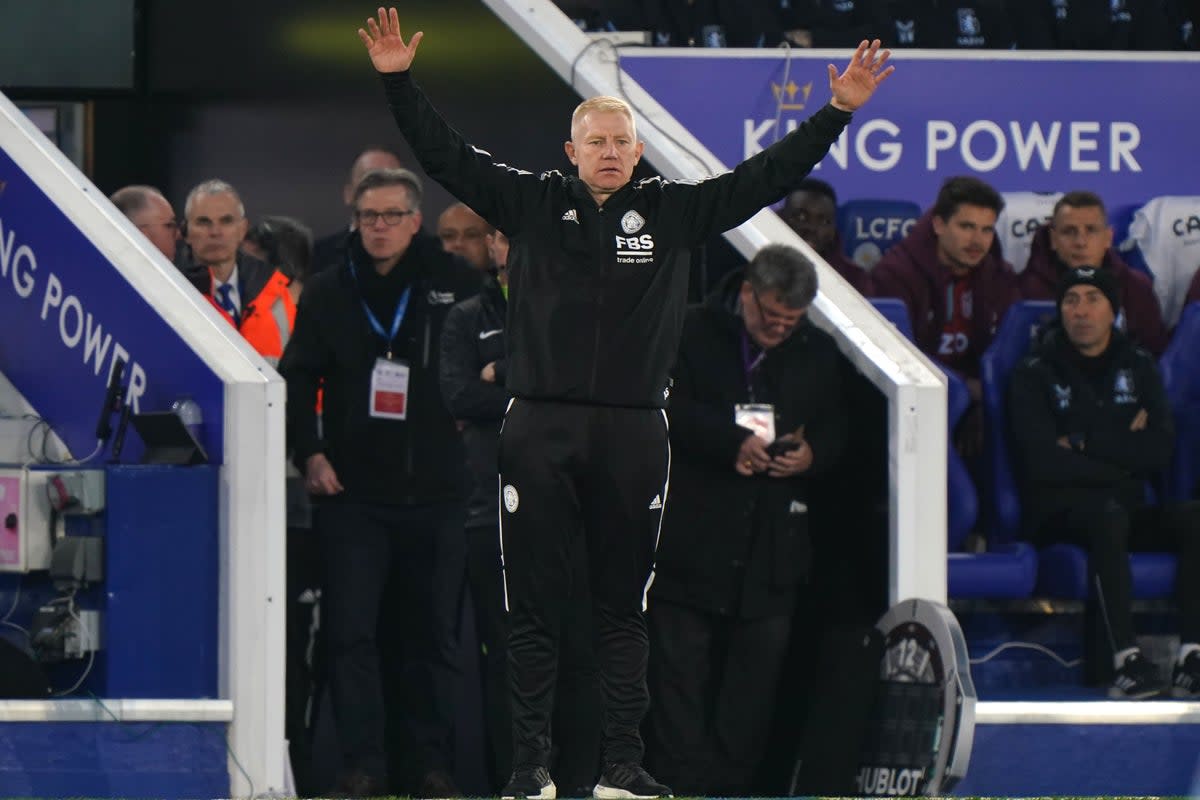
(531, 783)
(627, 781)
(1185, 682)
(1135, 680)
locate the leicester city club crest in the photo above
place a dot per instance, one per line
(632, 222)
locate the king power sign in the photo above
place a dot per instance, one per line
(1123, 127)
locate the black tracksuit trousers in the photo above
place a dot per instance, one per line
(570, 470)
(1109, 533)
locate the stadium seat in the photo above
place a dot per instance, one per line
(1017, 330)
(1062, 573)
(869, 227)
(895, 312)
(1061, 568)
(1180, 366)
(1007, 571)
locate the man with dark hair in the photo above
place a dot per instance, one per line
(950, 274)
(598, 269)
(1079, 235)
(811, 211)
(464, 233)
(757, 409)
(1090, 423)
(330, 250)
(286, 244)
(386, 470)
(147, 209)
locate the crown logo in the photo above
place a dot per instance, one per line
(791, 96)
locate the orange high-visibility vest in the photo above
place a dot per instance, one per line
(268, 319)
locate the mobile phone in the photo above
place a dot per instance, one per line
(781, 446)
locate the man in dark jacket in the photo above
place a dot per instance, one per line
(386, 468)
(1079, 235)
(811, 211)
(950, 275)
(598, 282)
(473, 374)
(329, 251)
(1090, 422)
(757, 408)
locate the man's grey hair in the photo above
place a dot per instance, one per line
(209, 188)
(783, 269)
(379, 178)
(129, 200)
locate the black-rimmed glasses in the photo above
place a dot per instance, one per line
(390, 217)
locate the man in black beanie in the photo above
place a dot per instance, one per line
(1090, 423)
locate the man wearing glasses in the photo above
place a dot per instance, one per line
(757, 408)
(388, 475)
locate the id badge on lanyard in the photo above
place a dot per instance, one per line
(389, 389)
(388, 398)
(758, 417)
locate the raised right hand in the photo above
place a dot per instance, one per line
(386, 46)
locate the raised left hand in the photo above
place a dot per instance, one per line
(863, 74)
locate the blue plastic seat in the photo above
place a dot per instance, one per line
(1004, 572)
(1062, 568)
(1063, 573)
(1180, 366)
(869, 227)
(1017, 330)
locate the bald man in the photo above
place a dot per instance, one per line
(464, 233)
(146, 208)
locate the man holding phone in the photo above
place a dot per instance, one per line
(756, 409)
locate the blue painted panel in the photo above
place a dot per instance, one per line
(69, 313)
(1128, 760)
(160, 621)
(96, 759)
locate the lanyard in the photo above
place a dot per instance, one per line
(397, 318)
(749, 365)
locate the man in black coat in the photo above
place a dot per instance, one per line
(1090, 422)
(756, 409)
(385, 466)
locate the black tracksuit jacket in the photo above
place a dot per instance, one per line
(597, 294)
(1049, 396)
(472, 338)
(378, 461)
